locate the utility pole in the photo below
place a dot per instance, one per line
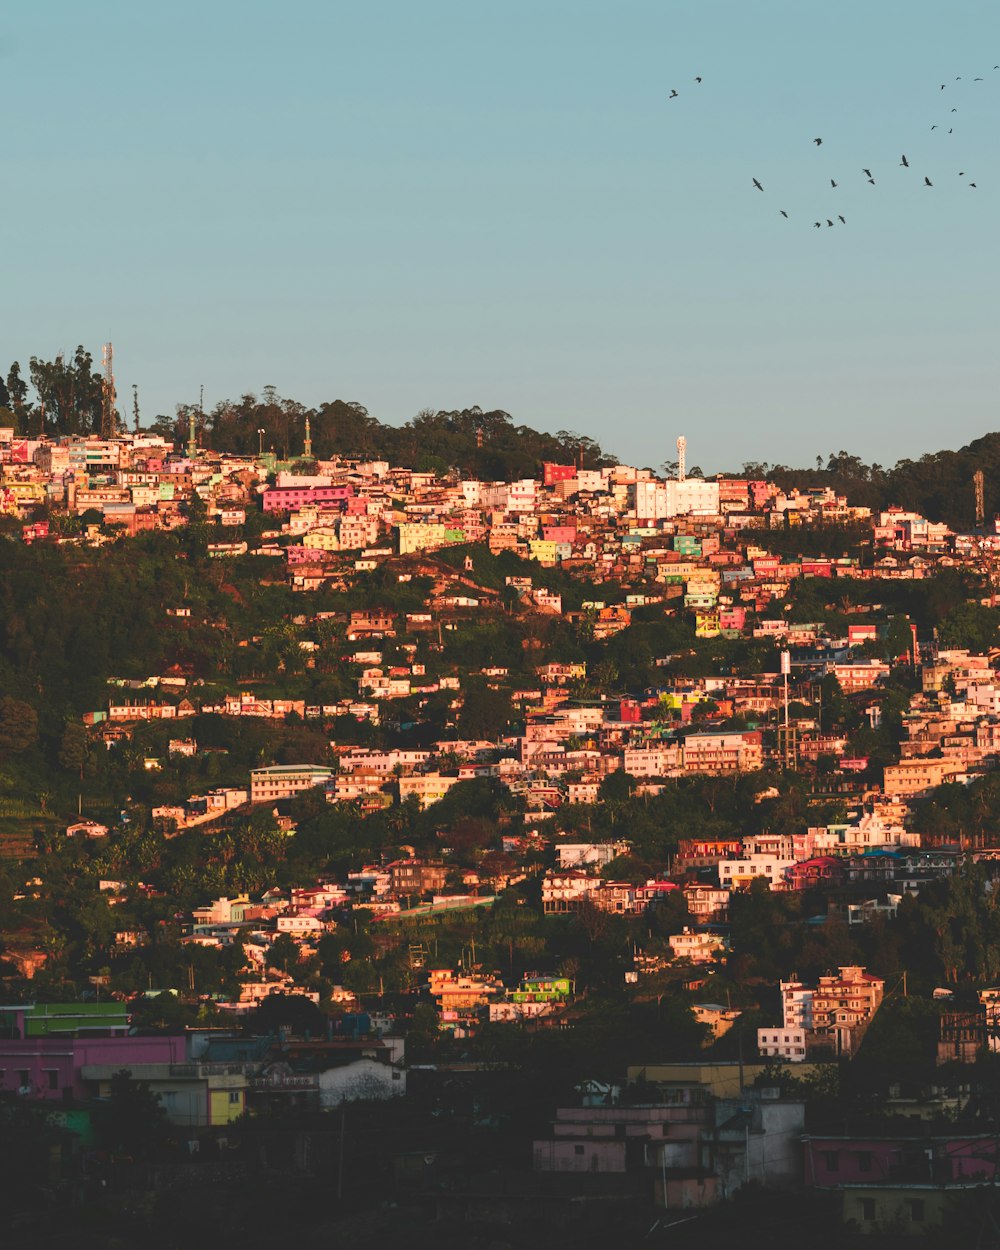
(340, 1153)
(788, 754)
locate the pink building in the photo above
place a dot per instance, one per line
(834, 1161)
(559, 533)
(552, 473)
(51, 1068)
(822, 870)
(286, 498)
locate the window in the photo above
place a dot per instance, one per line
(864, 1160)
(916, 1210)
(52, 1078)
(578, 1150)
(831, 1160)
(235, 1097)
(868, 1210)
(23, 1077)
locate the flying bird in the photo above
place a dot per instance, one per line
(905, 163)
(817, 142)
(972, 184)
(867, 173)
(934, 128)
(832, 183)
(757, 185)
(782, 212)
(942, 86)
(842, 219)
(872, 181)
(817, 224)
(697, 80)
(927, 181)
(673, 95)
(829, 222)
(977, 80)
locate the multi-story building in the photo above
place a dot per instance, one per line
(564, 891)
(724, 752)
(697, 948)
(417, 876)
(284, 781)
(843, 1006)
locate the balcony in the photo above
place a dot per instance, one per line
(198, 1071)
(277, 1084)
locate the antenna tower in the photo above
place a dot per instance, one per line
(109, 415)
(135, 406)
(681, 457)
(978, 481)
(307, 445)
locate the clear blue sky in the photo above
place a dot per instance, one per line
(437, 203)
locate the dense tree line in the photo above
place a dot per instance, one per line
(486, 445)
(938, 485)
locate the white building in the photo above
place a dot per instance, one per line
(284, 781)
(589, 854)
(698, 948)
(778, 1042)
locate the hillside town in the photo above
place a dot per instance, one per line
(678, 792)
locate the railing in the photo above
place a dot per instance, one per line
(280, 1083)
(197, 1070)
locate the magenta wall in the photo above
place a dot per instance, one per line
(858, 1161)
(40, 1056)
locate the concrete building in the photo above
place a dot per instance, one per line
(284, 781)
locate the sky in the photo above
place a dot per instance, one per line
(439, 203)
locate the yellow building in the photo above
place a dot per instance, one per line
(420, 536)
(193, 1095)
(706, 623)
(543, 550)
(323, 538)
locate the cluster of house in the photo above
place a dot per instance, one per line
(568, 746)
(617, 522)
(692, 1134)
(62, 1054)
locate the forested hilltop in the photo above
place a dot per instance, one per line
(938, 485)
(64, 397)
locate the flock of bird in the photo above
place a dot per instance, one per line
(903, 163)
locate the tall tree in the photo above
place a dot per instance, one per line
(18, 725)
(17, 391)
